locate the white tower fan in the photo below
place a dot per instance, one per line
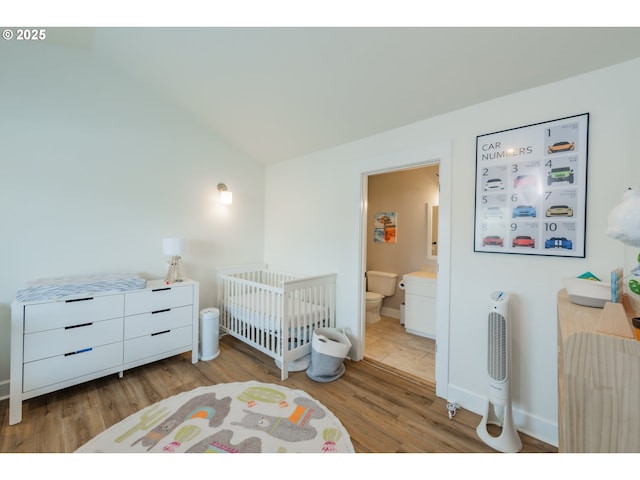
(498, 409)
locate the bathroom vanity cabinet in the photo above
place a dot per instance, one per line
(420, 303)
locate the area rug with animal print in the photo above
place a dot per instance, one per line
(246, 417)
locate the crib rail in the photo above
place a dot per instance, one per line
(308, 303)
(258, 274)
(249, 311)
(275, 312)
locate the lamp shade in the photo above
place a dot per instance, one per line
(624, 219)
(174, 246)
(226, 197)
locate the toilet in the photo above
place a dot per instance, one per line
(379, 285)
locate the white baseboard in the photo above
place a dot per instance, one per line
(390, 312)
(4, 390)
(533, 426)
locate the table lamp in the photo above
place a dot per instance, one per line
(624, 225)
(175, 248)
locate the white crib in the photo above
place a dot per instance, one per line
(275, 312)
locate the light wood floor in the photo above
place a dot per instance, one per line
(388, 342)
(382, 409)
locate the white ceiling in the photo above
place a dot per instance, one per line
(277, 93)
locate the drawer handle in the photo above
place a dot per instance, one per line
(78, 351)
(161, 311)
(161, 289)
(78, 300)
(80, 325)
(160, 333)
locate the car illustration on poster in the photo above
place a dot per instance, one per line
(493, 240)
(493, 184)
(524, 211)
(561, 147)
(560, 174)
(558, 242)
(522, 181)
(559, 211)
(493, 212)
(523, 241)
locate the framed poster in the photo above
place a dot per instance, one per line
(385, 226)
(531, 189)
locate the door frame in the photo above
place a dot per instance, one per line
(434, 154)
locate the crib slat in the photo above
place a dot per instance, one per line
(275, 312)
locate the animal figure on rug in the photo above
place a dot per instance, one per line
(220, 442)
(294, 428)
(205, 406)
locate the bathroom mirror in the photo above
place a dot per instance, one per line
(432, 231)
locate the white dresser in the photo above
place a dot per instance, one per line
(420, 303)
(57, 344)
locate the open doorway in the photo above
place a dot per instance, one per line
(408, 200)
(439, 153)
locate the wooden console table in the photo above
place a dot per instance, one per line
(598, 380)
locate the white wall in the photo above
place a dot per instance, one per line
(96, 170)
(313, 224)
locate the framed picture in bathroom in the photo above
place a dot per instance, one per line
(531, 193)
(385, 227)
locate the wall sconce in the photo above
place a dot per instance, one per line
(226, 197)
(174, 248)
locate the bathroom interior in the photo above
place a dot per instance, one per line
(401, 265)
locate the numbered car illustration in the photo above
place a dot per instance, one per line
(523, 241)
(492, 212)
(493, 184)
(559, 211)
(561, 147)
(558, 242)
(493, 240)
(561, 174)
(524, 211)
(525, 181)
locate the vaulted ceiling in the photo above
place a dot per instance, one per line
(277, 93)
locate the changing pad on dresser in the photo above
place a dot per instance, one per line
(63, 287)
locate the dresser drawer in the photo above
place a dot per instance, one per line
(156, 299)
(157, 321)
(50, 343)
(50, 371)
(49, 316)
(157, 343)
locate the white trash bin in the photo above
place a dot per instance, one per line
(209, 333)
